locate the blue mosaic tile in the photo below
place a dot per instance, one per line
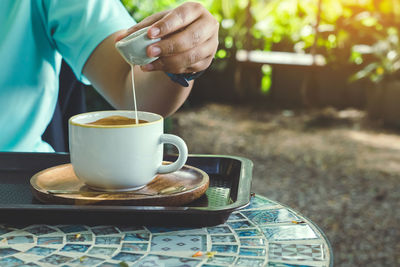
(4, 230)
(125, 228)
(225, 248)
(108, 240)
(72, 228)
(179, 243)
(7, 252)
(279, 264)
(75, 248)
(236, 216)
(252, 242)
(26, 239)
(124, 256)
(134, 247)
(54, 240)
(158, 230)
(289, 232)
(249, 262)
(240, 224)
(223, 238)
(10, 262)
(258, 202)
(29, 264)
(137, 237)
(56, 259)
(108, 251)
(110, 264)
(247, 232)
(220, 259)
(40, 230)
(41, 251)
(295, 252)
(252, 251)
(159, 260)
(270, 216)
(79, 238)
(104, 230)
(87, 261)
(218, 230)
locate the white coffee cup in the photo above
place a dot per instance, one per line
(133, 47)
(120, 157)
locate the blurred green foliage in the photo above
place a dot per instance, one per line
(375, 27)
(290, 25)
(140, 9)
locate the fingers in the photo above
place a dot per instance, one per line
(189, 38)
(167, 22)
(195, 34)
(144, 23)
(192, 60)
(176, 19)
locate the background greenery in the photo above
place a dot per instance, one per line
(360, 34)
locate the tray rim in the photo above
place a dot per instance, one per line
(243, 194)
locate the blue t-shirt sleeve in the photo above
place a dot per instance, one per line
(76, 27)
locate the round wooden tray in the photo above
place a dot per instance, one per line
(59, 185)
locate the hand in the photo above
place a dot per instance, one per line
(189, 39)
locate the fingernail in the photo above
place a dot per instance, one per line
(155, 51)
(154, 32)
(148, 67)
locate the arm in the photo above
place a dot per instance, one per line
(189, 40)
(110, 74)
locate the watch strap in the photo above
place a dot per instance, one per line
(184, 78)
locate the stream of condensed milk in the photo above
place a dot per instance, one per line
(134, 96)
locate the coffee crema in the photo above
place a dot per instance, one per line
(115, 120)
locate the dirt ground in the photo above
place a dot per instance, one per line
(337, 168)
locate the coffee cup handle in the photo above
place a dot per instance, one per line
(183, 153)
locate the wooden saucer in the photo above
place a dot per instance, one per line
(59, 185)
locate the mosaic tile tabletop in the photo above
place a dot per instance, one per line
(263, 234)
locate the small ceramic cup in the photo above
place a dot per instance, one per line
(133, 47)
(120, 157)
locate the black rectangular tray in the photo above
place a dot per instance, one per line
(229, 190)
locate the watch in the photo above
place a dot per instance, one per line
(184, 78)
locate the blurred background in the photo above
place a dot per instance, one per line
(309, 90)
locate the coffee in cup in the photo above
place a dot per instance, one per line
(120, 157)
(115, 120)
